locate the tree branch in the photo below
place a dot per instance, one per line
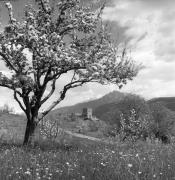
(19, 102)
(7, 86)
(8, 62)
(43, 6)
(63, 94)
(66, 30)
(46, 79)
(73, 76)
(9, 7)
(57, 75)
(37, 73)
(51, 92)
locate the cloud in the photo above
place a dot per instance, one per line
(156, 3)
(150, 29)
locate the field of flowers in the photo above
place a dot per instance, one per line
(140, 161)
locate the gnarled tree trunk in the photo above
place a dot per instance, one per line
(30, 131)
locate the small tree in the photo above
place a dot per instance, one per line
(72, 41)
(49, 128)
(133, 127)
(163, 121)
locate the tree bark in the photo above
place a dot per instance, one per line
(30, 131)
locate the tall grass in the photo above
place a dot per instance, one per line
(81, 160)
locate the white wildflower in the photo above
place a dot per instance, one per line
(121, 153)
(28, 172)
(130, 165)
(8, 5)
(103, 164)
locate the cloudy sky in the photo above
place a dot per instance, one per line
(148, 27)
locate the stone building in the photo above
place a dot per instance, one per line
(87, 113)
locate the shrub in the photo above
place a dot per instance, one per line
(49, 129)
(163, 121)
(133, 127)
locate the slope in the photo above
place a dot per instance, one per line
(114, 96)
(168, 102)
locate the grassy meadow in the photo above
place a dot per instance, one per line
(77, 159)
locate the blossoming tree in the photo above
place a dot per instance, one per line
(61, 39)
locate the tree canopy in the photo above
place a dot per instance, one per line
(65, 38)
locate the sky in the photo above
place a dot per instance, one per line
(148, 29)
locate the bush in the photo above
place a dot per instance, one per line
(131, 117)
(49, 129)
(133, 127)
(136, 103)
(163, 122)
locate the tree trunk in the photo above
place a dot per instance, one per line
(30, 131)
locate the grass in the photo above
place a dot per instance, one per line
(88, 161)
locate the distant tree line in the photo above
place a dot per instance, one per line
(6, 109)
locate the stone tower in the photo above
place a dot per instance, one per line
(87, 113)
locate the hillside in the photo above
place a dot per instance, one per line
(107, 108)
(157, 112)
(168, 102)
(110, 113)
(114, 96)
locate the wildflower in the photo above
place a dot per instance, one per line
(28, 172)
(137, 155)
(113, 152)
(161, 173)
(154, 176)
(7, 151)
(130, 165)
(68, 163)
(121, 153)
(103, 164)
(9, 6)
(139, 172)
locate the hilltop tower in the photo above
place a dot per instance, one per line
(87, 113)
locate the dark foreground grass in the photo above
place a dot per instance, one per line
(91, 161)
